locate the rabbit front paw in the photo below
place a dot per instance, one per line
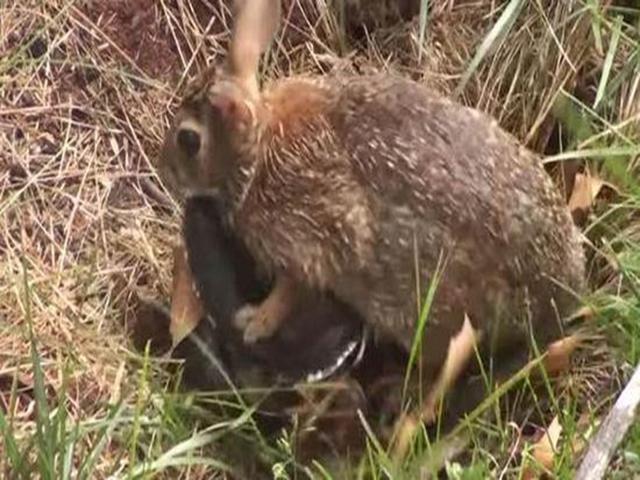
(257, 322)
(261, 321)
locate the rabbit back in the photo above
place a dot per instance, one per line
(376, 179)
(446, 182)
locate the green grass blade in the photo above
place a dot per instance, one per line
(44, 430)
(139, 406)
(574, 120)
(605, 152)
(381, 458)
(60, 438)
(498, 31)
(86, 469)
(43, 425)
(11, 450)
(323, 472)
(179, 455)
(67, 458)
(627, 73)
(184, 462)
(595, 25)
(608, 61)
(422, 321)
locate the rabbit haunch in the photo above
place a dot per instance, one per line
(359, 185)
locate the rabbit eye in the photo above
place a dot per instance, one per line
(189, 141)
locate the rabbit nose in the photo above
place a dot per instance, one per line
(189, 141)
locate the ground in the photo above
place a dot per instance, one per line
(86, 228)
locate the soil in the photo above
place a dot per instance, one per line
(140, 30)
(134, 28)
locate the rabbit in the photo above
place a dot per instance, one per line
(372, 187)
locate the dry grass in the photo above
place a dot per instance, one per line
(85, 93)
(76, 209)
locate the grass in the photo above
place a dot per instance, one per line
(86, 230)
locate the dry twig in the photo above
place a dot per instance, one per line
(612, 431)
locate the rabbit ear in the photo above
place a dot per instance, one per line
(256, 21)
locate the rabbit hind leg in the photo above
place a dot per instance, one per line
(461, 349)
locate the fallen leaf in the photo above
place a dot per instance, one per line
(543, 451)
(586, 188)
(559, 353)
(186, 308)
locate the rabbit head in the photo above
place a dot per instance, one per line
(218, 120)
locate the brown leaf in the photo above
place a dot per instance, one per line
(186, 309)
(544, 450)
(559, 353)
(585, 190)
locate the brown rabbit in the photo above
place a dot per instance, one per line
(363, 186)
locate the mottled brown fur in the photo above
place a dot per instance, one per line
(349, 177)
(362, 185)
(292, 103)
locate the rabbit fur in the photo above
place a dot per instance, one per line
(371, 187)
